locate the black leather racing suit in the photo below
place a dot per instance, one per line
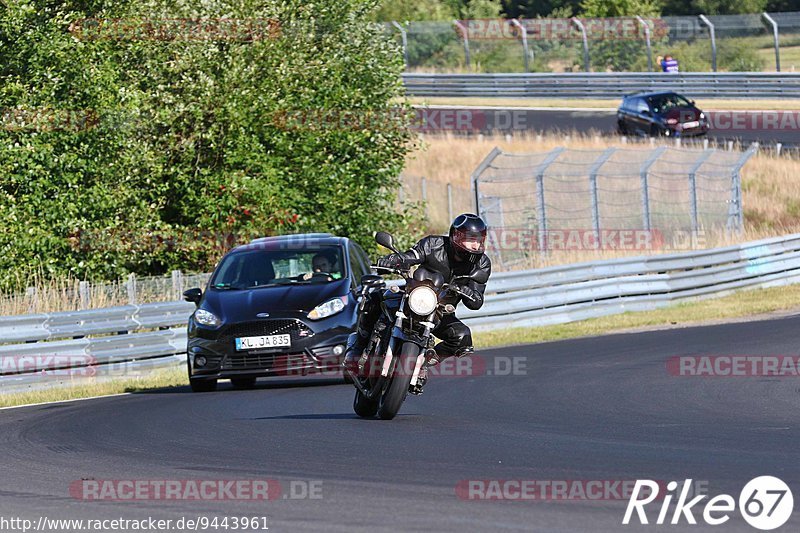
(433, 252)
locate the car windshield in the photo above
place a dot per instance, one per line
(665, 102)
(268, 268)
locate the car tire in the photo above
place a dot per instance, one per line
(621, 128)
(243, 383)
(655, 131)
(203, 385)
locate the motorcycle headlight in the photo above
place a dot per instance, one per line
(206, 318)
(329, 308)
(422, 300)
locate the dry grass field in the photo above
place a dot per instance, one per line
(770, 184)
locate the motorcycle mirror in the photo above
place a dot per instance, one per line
(386, 240)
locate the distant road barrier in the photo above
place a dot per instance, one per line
(605, 84)
(39, 350)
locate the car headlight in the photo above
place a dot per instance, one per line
(423, 300)
(702, 116)
(329, 308)
(206, 318)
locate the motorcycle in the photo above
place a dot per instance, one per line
(401, 340)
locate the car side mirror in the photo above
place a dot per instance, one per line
(386, 240)
(193, 295)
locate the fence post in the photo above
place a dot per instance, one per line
(775, 38)
(404, 39)
(598, 163)
(643, 174)
(524, 35)
(693, 190)
(177, 284)
(476, 174)
(647, 41)
(130, 285)
(541, 211)
(735, 212)
(465, 37)
(33, 299)
(450, 201)
(580, 26)
(713, 41)
(83, 292)
(424, 187)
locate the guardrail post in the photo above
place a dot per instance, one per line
(580, 26)
(524, 35)
(465, 37)
(643, 173)
(541, 211)
(83, 292)
(450, 201)
(775, 38)
(693, 190)
(593, 188)
(476, 175)
(404, 39)
(647, 41)
(713, 41)
(130, 285)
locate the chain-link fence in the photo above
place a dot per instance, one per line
(734, 43)
(74, 295)
(635, 199)
(440, 201)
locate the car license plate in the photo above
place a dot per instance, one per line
(266, 341)
(692, 124)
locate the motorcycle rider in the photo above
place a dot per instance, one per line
(459, 253)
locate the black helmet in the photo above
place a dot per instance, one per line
(467, 237)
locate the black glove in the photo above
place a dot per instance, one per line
(467, 292)
(393, 261)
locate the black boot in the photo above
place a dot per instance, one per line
(355, 348)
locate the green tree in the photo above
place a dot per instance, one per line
(190, 136)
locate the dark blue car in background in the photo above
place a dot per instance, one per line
(277, 306)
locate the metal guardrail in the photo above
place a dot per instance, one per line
(605, 84)
(35, 348)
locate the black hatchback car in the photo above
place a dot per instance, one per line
(660, 113)
(276, 306)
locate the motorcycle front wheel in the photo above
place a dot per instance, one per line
(395, 394)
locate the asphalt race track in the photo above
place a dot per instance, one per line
(515, 120)
(600, 408)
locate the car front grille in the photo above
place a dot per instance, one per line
(266, 361)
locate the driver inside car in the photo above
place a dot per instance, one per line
(321, 264)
